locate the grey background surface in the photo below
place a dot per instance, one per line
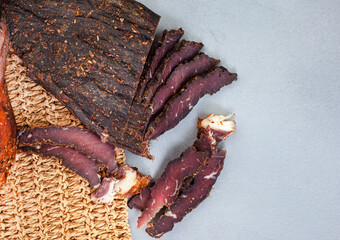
(281, 178)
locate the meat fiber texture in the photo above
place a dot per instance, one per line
(7, 121)
(89, 54)
(187, 180)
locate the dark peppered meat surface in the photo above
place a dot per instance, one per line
(89, 54)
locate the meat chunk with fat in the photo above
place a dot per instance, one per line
(128, 183)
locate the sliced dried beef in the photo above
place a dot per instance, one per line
(139, 201)
(90, 56)
(181, 104)
(82, 140)
(127, 183)
(184, 51)
(167, 42)
(199, 65)
(191, 197)
(72, 159)
(159, 210)
(166, 188)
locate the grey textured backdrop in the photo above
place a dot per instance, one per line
(282, 172)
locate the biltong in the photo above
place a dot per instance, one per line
(186, 50)
(166, 43)
(89, 54)
(180, 105)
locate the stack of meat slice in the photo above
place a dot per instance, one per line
(186, 181)
(175, 77)
(84, 153)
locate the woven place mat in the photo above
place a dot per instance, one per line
(42, 199)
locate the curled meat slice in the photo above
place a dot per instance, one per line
(199, 65)
(167, 42)
(191, 197)
(8, 137)
(212, 130)
(166, 188)
(180, 105)
(140, 200)
(184, 51)
(129, 182)
(72, 159)
(82, 140)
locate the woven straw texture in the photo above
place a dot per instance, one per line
(42, 199)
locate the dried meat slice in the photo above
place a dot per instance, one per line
(191, 197)
(180, 105)
(128, 183)
(166, 188)
(167, 42)
(186, 50)
(199, 65)
(139, 201)
(8, 137)
(211, 130)
(82, 140)
(90, 56)
(72, 159)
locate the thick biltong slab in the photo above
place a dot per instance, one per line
(89, 54)
(184, 51)
(180, 105)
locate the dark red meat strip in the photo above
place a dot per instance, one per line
(72, 159)
(167, 42)
(191, 197)
(139, 201)
(180, 105)
(82, 140)
(199, 65)
(166, 188)
(184, 51)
